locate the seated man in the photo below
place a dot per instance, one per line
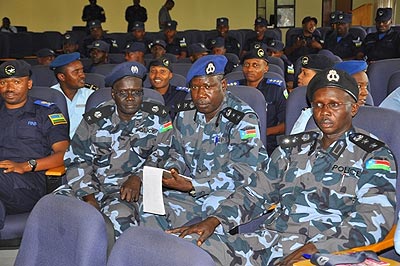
(45, 56)
(70, 44)
(174, 45)
(160, 75)
(216, 136)
(135, 52)
(98, 54)
(138, 34)
(258, 36)
(112, 144)
(98, 34)
(332, 188)
(196, 51)
(68, 70)
(34, 138)
(231, 45)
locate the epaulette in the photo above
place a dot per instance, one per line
(233, 115)
(154, 108)
(185, 89)
(274, 82)
(96, 114)
(91, 86)
(357, 42)
(233, 83)
(297, 139)
(43, 103)
(182, 42)
(114, 43)
(185, 106)
(290, 69)
(366, 142)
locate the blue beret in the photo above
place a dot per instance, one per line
(135, 46)
(352, 66)
(15, 69)
(64, 59)
(383, 14)
(131, 69)
(207, 65)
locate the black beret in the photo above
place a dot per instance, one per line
(308, 19)
(45, 52)
(15, 69)
(333, 78)
(316, 61)
(222, 22)
(258, 51)
(171, 25)
(383, 14)
(162, 61)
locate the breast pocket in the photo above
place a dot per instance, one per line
(103, 150)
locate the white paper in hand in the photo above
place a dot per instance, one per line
(152, 190)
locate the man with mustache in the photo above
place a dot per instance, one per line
(216, 142)
(68, 70)
(332, 189)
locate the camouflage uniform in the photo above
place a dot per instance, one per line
(338, 198)
(105, 151)
(215, 153)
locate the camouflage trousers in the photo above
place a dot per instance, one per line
(121, 213)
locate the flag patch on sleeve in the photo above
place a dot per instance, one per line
(378, 164)
(57, 119)
(167, 126)
(248, 133)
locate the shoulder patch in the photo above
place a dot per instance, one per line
(274, 82)
(58, 119)
(165, 127)
(233, 115)
(233, 83)
(97, 114)
(43, 103)
(365, 142)
(91, 86)
(154, 108)
(297, 139)
(378, 164)
(185, 106)
(185, 89)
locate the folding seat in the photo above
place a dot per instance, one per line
(22, 28)
(276, 69)
(116, 58)
(394, 82)
(277, 61)
(50, 95)
(4, 45)
(120, 37)
(291, 35)
(43, 76)
(95, 79)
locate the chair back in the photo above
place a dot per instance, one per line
(394, 82)
(103, 69)
(181, 68)
(43, 76)
(95, 79)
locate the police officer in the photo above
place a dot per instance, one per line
(135, 13)
(97, 34)
(196, 51)
(138, 34)
(45, 56)
(160, 75)
(323, 200)
(231, 44)
(217, 46)
(70, 43)
(383, 44)
(135, 52)
(93, 12)
(175, 46)
(34, 137)
(255, 65)
(98, 52)
(112, 144)
(258, 36)
(217, 137)
(341, 42)
(68, 70)
(311, 65)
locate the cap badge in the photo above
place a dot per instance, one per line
(333, 15)
(304, 61)
(165, 62)
(210, 68)
(155, 109)
(333, 76)
(380, 13)
(9, 70)
(134, 69)
(260, 53)
(257, 45)
(97, 114)
(67, 36)
(340, 17)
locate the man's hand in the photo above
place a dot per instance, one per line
(130, 189)
(204, 229)
(176, 181)
(91, 200)
(316, 45)
(297, 255)
(10, 166)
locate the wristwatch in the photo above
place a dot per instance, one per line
(32, 163)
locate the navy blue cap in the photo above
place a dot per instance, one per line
(100, 45)
(217, 42)
(222, 22)
(171, 25)
(343, 18)
(131, 69)
(207, 65)
(275, 45)
(135, 46)
(158, 42)
(258, 51)
(69, 38)
(138, 25)
(333, 78)
(15, 69)
(163, 61)
(261, 22)
(64, 59)
(94, 24)
(316, 62)
(45, 52)
(197, 48)
(333, 16)
(383, 14)
(308, 19)
(352, 66)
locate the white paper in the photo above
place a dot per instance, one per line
(153, 201)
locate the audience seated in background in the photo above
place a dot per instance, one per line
(45, 56)
(34, 138)
(6, 26)
(135, 52)
(157, 48)
(260, 27)
(196, 51)
(138, 34)
(109, 149)
(174, 45)
(97, 34)
(230, 43)
(392, 101)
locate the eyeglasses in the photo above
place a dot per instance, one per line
(331, 106)
(124, 93)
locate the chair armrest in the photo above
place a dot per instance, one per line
(56, 171)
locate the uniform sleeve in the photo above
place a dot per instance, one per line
(280, 105)
(56, 126)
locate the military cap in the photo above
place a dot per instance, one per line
(135, 46)
(131, 69)
(333, 16)
(333, 78)
(383, 14)
(100, 45)
(94, 24)
(316, 62)
(343, 18)
(162, 61)
(15, 69)
(64, 59)
(261, 22)
(352, 66)
(197, 48)
(218, 42)
(222, 22)
(158, 42)
(207, 65)
(258, 51)
(171, 25)
(138, 25)
(275, 46)
(69, 38)
(45, 52)
(308, 19)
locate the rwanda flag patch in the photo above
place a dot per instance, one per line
(57, 119)
(248, 133)
(167, 126)
(378, 164)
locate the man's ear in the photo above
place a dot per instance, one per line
(354, 109)
(61, 76)
(224, 84)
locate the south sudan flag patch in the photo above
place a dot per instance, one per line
(248, 133)
(167, 126)
(57, 119)
(378, 164)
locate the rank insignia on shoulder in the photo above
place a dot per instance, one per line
(297, 139)
(58, 119)
(154, 108)
(96, 114)
(274, 82)
(233, 115)
(43, 103)
(185, 89)
(247, 133)
(378, 164)
(91, 86)
(165, 127)
(233, 83)
(365, 142)
(185, 106)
